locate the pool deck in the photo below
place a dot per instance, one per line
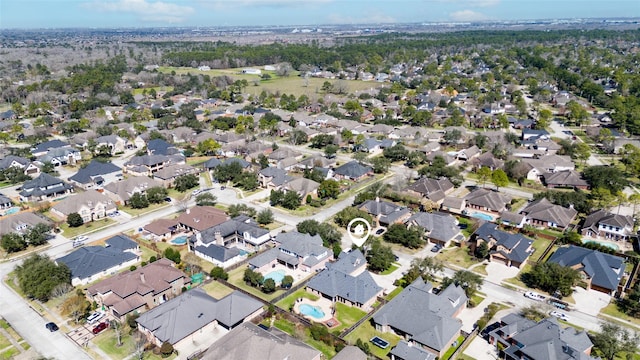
(322, 303)
(620, 246)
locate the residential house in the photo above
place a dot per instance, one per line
(114, 143)
(96, 175)
(521, 338)
(353, 171)
(121, 191)
(249, 341)
(405, 351)
(43, 148)
(600, 271)
(160, 229)
(440, 228)
(303, 187)
(5, 202)
(512, 219)
(161, 147)
(229, 242)
(350, 352)
(211, 164)
(543, 213)
(272, 177)
(487, 160)
(565, 179)
(168, 175)
(138, 290)
(147, 165)
(504, 248)
(284, 153)
(453, 204)
(20, 222)
(449, 159)
(294, 250)
(314, 162)
(199, 218)
(604, 224)
(372, 145)
(91, 205)
(548, 164)
(469, 153)
(347, 281)
(44, 187)
(90, 263)
(60, 156)
(487, 201)
(385, 213)
(195, 313)
(532, 134)
(434, 190)
(423, 319)
(19, 162)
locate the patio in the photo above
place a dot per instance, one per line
(320, 310)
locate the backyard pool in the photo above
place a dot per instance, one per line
(603, 243)
(313, 311)
(11, 211)
(243, 252)
(180, 240)
(276, 275)
(481, 216)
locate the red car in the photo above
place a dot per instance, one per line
(98, 328)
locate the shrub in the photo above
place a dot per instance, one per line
(166, 349)
(74, 220)
(219, 273)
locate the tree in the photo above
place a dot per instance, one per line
(613, 340)
(499, 178)
(291, 200)
(452, 136)
(166, 349)
(185, 182)
(344, 216)
(241, 209)
(219, 273)
(330, 151)
(252, 278)
(396, 153)
(13, 242)
(265, 217)
(607, 177)
(468, 280)
(379, 257)
(37, 234)
(208, 147)
(206, 199)
(287, 281)
(328, 233)
(329, 189)
(74, 220)
(630, 304)
(426, 268)
(552, 277)
(76, 306)
(482, 251)
(400, 234)
(484, 174)
(380, 165)
(269, 286)
(157, 194)
(172, 254)
(533, 313)
(138, 201)
(38, 276)
(322, 140)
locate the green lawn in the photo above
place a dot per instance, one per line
(394, 293)
(207, 178)
(235, 277)
(482, 269)
(290, 329)
(458, 256)
(137, 212)
(4, 342)
(612, 310)
(477, 299)
(274, 225)
(107, 342)
(217, 290)
(516, 279)
(70, 232)
(391, 269)
(9, 353)
(287, 302)
(366, 331)
(449, 352)
(347, 316)
(540, 245)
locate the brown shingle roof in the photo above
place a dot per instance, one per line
(202, 217)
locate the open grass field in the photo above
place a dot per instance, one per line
(293, 84)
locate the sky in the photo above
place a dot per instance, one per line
(154, 13)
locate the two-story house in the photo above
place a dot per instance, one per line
(604, 224)
(504, 248)
(44, 187)
(294, 251)
(121, 191)
(91, 205)
(96, 175)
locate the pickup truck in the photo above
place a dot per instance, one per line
(534, 296)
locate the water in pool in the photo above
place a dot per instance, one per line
(12, 211)
(180, 240)
(276, 275)
(603, 243)
(313, 311)
(481, 216)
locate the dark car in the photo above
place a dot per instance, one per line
(52, 326)
(167, 199)
(436, 248)
(379, 231)
(98, 328)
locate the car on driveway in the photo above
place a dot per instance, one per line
(534, 296)
(98, 328)
(52, 326)
(167, 199)
(379, 231)
(436, 248)
(95, 317)
(559, 315)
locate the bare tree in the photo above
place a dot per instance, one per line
(117, 327)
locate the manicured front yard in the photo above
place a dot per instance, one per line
(136, 212)
(394, 293)
(391, 269)
(458, 256)
(107, 342)
(449, 352)
(366, 331)
(70, 232)
(287, 302)
(217, 289)
(612, 310)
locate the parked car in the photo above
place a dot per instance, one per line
(52, 326)
(534, 296)
(95, 317)
(98, 328)
(436, 248)
(81, 238)
(379, 231)
(167, 199)
(559, 315)
(222, 187)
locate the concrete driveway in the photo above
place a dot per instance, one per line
(590, 301)
(479, 349)
(496, 273)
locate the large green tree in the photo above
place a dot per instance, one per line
(613, 340)
(38, 276)
(469, 281)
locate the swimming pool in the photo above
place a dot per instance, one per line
(11, 211)
(313, 311)
(180, 240)
(243, 252)
(602, 243)
(481, 216)
(276, 275)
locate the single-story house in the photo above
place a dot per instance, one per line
(487, 200)
(543, 213)
(96, 175)
(505, 248)
(353, 170)
(385, 213)
(440, 228)
(160, 229)
(432, 189)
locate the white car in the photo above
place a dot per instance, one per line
(559, 315)
(534, 296)
(81, 238)
(95, 317)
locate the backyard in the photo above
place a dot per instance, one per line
(217, 289)
(236, 278)
(288, 302)
(366, 331)
(302, 333)
(347, 316)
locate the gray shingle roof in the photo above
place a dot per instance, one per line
(405, 352)
(438, 226)
(607, 218)
(350, 352)
(433, 189)
(388, 212)
(191, 311)
(293, 245)
(353, 170)
(358, 289)
(237, 226)
(44, 185)
(604, 270)
(217, 252)
(517, 243)
(95, 168)
(278, 176)
(543, 210)
(487, 198)
(10, 159)
(91, 260)
(248, 341)
(426, 317)
(51, 144)
(565, 178)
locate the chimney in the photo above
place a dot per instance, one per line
(219, 239)
(142, 277)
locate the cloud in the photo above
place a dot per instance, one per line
(156, 11)
(361, 19)
(473, 3)
(259, 3)
(467, 15)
